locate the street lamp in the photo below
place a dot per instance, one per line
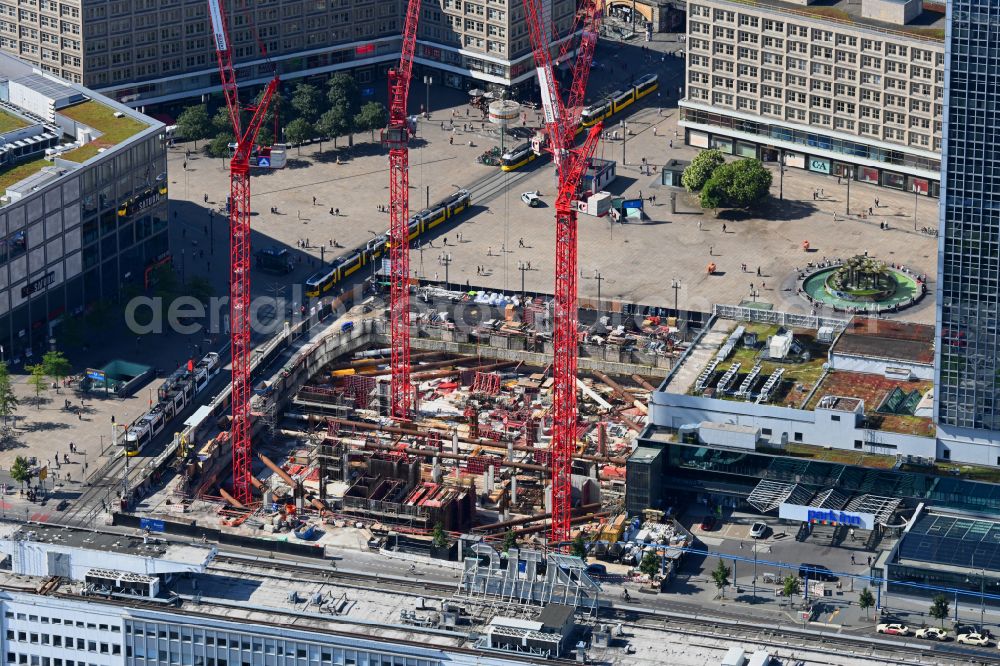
(916, 199)
(781, 178)
(754, 293)
(522, 266)
(754, 569)
(624, 137)
(600, 278)
(850, 177)
(445, 260)
(675, 284)
(428, 82)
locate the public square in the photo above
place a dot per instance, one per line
(501, 232)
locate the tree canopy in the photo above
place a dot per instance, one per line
(741, 184)
(194, 124)
(299, 131)
(373, 116)
(307, 101)
(701, 168)
(343, 91)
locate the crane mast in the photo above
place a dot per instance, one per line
(239, 258)
(396, 137)
(561, 123)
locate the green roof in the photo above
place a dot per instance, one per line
(101, 118)
(19, 172)
(9, 122)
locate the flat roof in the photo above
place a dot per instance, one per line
(953, 539)
(929, 25)
(102, 541)
(873, 390)
(645, 453)
(887, 339)
(555, 616)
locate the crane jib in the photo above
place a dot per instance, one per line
(218, 25)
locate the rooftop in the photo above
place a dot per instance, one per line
(10, 122)
(874, 389)
(887, 339)
(100, 117)
(101, 541)
(953, 539)
(929, 25)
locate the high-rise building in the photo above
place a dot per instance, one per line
(967, 404)
(851, 89)
(154, 51)
(83, 216)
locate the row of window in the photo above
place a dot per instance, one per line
(35, 660)
(59, 641)
(44, 619)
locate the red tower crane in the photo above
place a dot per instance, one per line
(396, 137)
(239, 235)
(561, 123)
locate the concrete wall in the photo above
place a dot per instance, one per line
(874, 366)
(897, 12)
(819, 427)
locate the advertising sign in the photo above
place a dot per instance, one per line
(811, 514)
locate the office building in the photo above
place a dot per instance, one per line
(83, 212)
(150, 52)
(847, 89)
(968, 353)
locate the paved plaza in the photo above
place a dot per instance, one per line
(636, 262)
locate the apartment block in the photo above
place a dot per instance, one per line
(145, 52)
(848, 89)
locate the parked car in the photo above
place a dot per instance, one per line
(816, 572)
(893, 629)
(973, 638)
(708, 523)
(531, 199)
(597, 570)
(758, 530)
(932, 634)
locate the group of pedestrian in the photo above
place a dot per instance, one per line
(274, 210)
(817, 194)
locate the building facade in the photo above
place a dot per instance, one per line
(154, 51)
(859, 98)
(85, 226)
(967, 403)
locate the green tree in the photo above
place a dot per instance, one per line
(701, 168)
(164, 281)
(8, 399)
(201, 288)
(372, 116)
(747, 183)
(342, 90)
(194, 124)
(57, 366)
(307, 100)
(940, 608)
(440, 538)
(791, 587)
(334, 123)
(579, 547)
(866, 600)
(650, 564)
(721, 577)
(20, 471)
(221, 121)
(219, 147)
(713, 194)
(509, 540)
(298, 132)
(37, 381)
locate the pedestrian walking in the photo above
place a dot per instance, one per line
(852, 559)
(723, 228)
(763, 285)
(876, 202)
(699, 225)
(671, 143)
(870, 211)
(654, 131)
(711, 250)
(751, 286)
(758, 270)
(336, 211)
(314, 201)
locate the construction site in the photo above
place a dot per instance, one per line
(474, 458)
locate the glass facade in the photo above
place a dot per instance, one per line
(689, 468)
(81, 240)
(772, 131)
(968, 352)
